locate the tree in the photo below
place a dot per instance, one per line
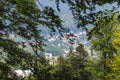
(104, 41)
(116, 32)
(84, 12)
(80, 50)
(24, 23)
(21, 18)
(114, 70)
(75, 65)
(65, 69)
(79, 62)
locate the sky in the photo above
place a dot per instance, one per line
(65, 13)
(63, 7)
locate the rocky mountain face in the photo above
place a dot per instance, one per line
(65, 43)
(58, 44)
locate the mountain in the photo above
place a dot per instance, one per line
(64, 44)
(59, 44)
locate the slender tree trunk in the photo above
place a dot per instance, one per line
(104, 57)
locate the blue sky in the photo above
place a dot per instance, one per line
(63, 7)
(66, 15)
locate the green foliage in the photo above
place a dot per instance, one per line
(103, 36)
(116, 32)
(21, 18)
(75, 65)
(114, 69)
(105, 40)
(80, 50)
(84, 12)
(4, 70)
